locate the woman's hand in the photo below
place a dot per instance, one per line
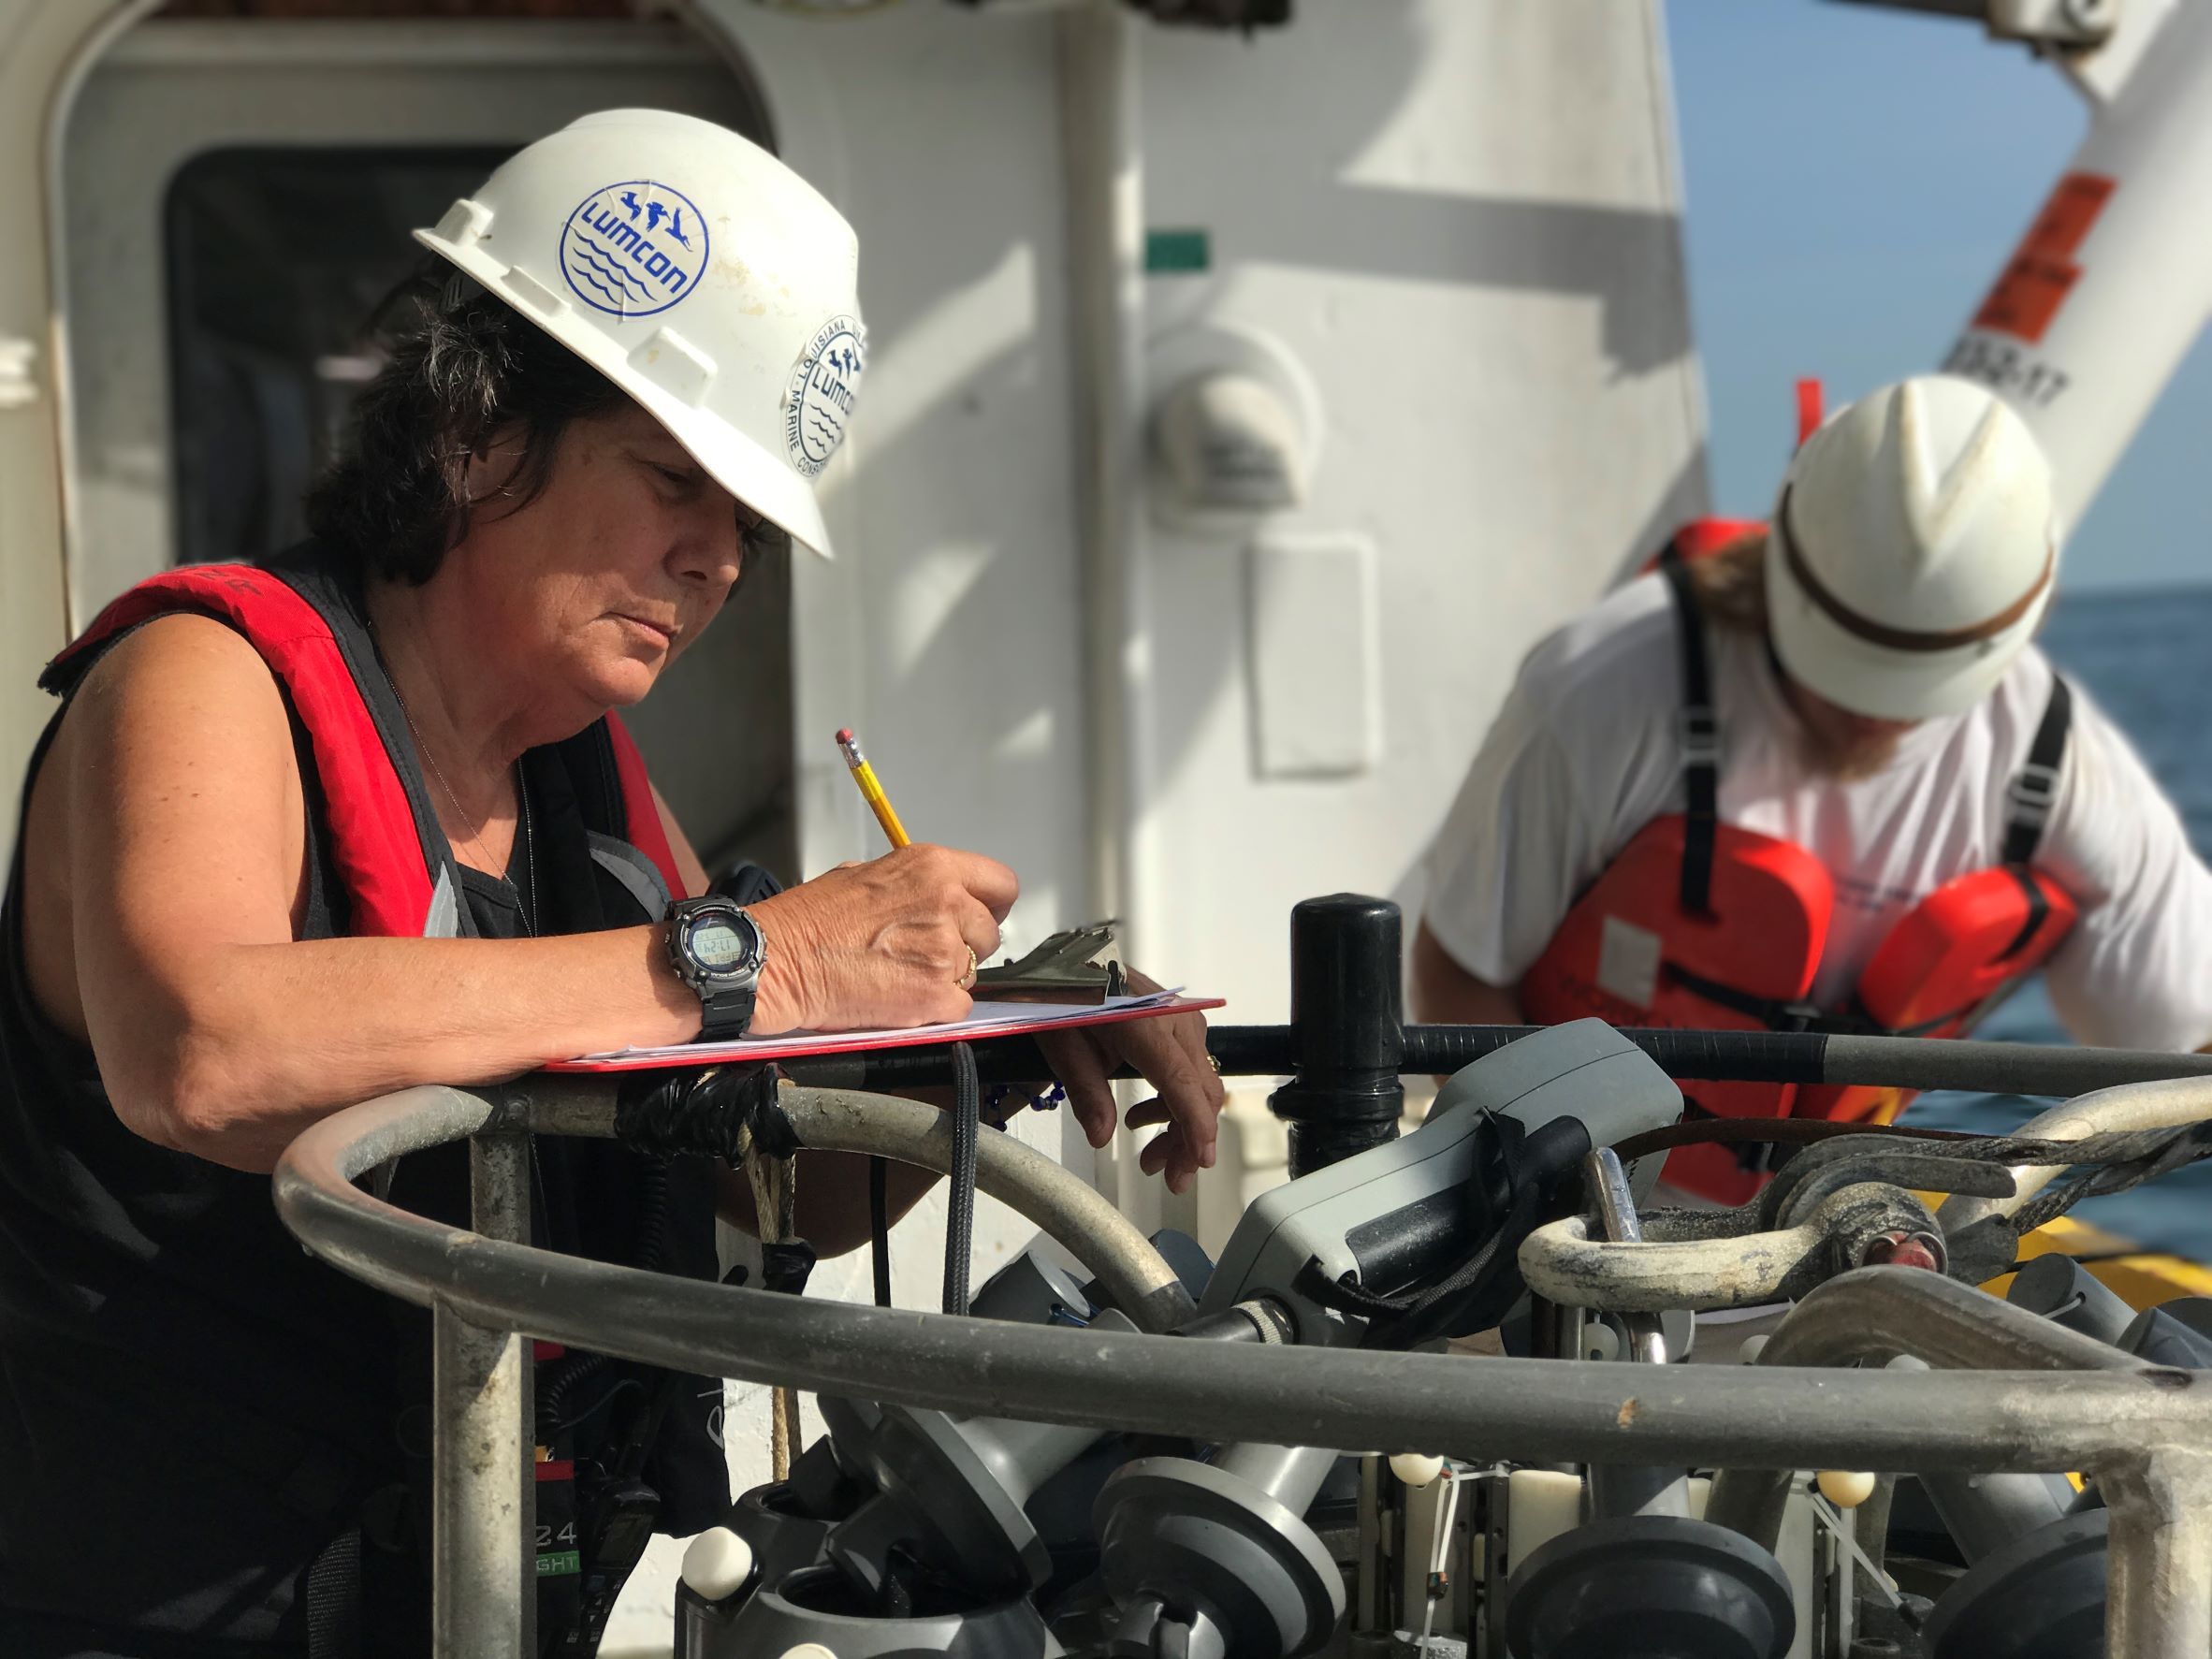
(883, 943)
(1169, 1052)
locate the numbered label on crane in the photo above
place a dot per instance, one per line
(2028, 294)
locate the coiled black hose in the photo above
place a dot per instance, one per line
(967, 1114)
(880, 1226)
(557, 1381)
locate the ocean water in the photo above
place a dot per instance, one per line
(2143, 656)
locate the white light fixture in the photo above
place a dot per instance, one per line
(1235, 430)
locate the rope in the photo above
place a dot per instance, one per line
(1765, 1131)
(774, 1194)
(2119, 1146)
(2109, 1163)
(2102, 1179)
(709, 1111)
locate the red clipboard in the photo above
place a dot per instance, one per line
(799, 1044)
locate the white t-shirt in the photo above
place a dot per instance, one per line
(1587, 751)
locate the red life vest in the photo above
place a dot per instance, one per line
(1701, 538)
(1702, 925)
(385, 838)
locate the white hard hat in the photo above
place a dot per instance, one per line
(1914, 551)
(697, 272)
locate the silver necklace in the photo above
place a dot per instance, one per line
(530, 854)
(530, 862)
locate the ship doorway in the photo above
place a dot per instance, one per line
(238, 194)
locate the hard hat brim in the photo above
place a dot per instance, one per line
(762, 482)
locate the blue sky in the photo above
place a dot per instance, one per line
(1854, 177)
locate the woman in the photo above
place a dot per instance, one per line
(266, 787)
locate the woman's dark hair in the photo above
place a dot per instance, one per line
(461, 366)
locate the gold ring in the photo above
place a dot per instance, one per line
(968, 979)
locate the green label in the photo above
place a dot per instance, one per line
(1172, 251)
(554, 1565)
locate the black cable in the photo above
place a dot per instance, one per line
(1530, 1169)
(879, 1226)
(616, 1390)
(557, 1377)
(968, 1112)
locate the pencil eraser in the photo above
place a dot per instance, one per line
(844, 734)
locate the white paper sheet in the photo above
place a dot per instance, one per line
(985, 1019)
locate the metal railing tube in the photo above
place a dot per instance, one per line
(1476, 1409)
(1751, 1057)
(1986, 1510)
(1875, 1314)
(1996, 1067)
(1058, 1202)
(2159, 1555)
(483, 1493)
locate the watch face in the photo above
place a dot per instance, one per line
(721, 944)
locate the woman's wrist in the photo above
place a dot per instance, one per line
(779, 998)
(670, 991)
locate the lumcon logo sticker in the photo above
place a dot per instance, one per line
(633, 248)
(824, 384)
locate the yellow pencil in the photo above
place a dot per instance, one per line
(870, 790)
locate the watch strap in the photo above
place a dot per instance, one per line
(726, 1014)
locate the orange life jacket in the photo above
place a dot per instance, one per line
(1701, 924)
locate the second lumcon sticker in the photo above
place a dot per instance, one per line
(824, 384)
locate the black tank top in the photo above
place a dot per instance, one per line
(191, 1407)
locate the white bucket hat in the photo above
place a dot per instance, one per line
(697, 272)
(1913, 552)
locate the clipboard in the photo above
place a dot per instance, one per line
(987, 1020)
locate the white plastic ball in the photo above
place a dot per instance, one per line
(717, 1563)
(1416, 1469)
(1847, 1488)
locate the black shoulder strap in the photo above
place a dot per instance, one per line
(1701, 730)
(2028, 797)
(309, 572)
(589, 760)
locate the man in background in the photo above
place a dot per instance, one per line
(1824, 775)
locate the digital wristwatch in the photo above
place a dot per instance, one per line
(717, 949)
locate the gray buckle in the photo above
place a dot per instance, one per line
(1699, 732)
(2031, 794)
